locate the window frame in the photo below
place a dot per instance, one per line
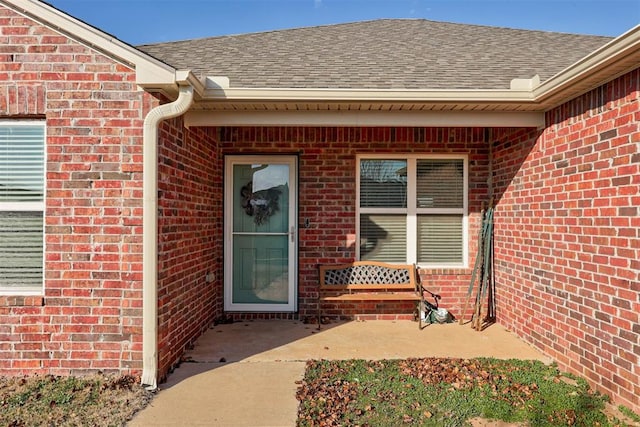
(30, 206)
(412, 210)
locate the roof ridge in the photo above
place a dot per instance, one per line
(354, 23)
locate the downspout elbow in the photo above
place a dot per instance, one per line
(150, 231)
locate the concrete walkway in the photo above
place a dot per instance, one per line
(245, 373)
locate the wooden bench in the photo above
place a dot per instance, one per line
(371, 281)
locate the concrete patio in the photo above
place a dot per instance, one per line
(245, 373)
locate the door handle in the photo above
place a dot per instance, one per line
(292, 232)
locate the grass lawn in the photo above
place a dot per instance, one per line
(70, 401)
(412, 392)
(449, 392)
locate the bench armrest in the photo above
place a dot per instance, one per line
(422, 290)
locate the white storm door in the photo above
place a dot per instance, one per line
(260, 234)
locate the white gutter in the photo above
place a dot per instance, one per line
(216, 93)
(150, 231)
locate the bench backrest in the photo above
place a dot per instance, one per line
(367, 275)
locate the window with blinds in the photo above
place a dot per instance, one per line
(412, 209)
(21, 206)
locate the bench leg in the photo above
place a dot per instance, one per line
(423, 310)
(319, 307)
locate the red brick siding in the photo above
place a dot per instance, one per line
(190, 238)
(90, 315)
(327, 180)
(568, 240)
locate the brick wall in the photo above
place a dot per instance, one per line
(190, 238)
(327, 182)
(568, 239)
(90, 315)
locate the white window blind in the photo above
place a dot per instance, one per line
(383, 183)
(440, 183)
(21, 206)
(383, 238)
(412, 209)
(440, 239)
(21, 250)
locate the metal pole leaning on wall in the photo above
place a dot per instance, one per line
(476, 266)
(486, 271)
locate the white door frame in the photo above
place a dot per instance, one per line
(292, 300)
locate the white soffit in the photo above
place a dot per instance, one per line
(364, 118)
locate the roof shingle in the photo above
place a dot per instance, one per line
(380, 54)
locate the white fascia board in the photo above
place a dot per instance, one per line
(149, 71)
(364, 95)
(365, 118)
(616, 50)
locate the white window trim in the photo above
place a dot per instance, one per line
(29, 206)
(412, 210)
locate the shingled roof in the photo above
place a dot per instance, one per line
(380, 54)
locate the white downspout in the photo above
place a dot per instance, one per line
(150, 231)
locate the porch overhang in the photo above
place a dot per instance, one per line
(225, 106)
